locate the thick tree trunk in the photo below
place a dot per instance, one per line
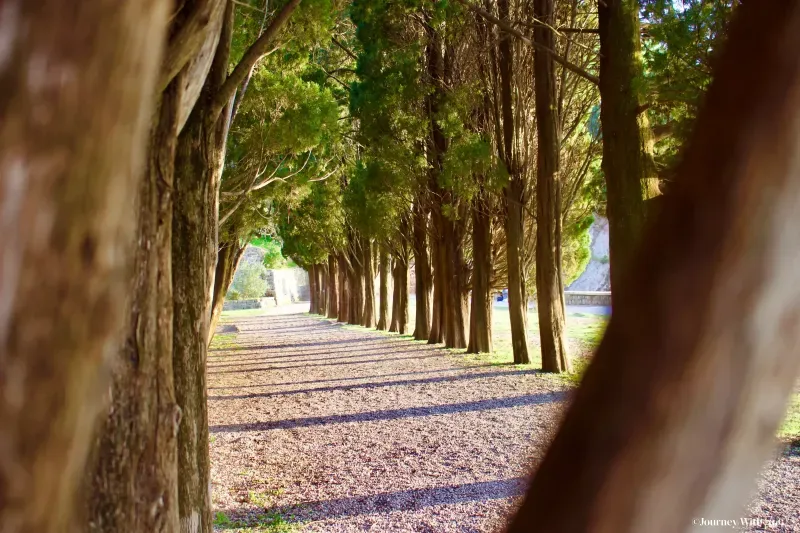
(194, 253)
(422, 274)
(681, 403)
(401, 280)
(69, 171)
(628, 165)
(133, 483)
(549, 284)
(480, 317)
(228, 255)
(455, 310)
(383, 313)
(368, 319)
(515, 200)
(333, 289)
(356, 282)
(344, 290)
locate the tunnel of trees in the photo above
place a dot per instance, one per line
(471, 139)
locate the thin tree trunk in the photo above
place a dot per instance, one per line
(394, 324)
(322, 274)
(402, 280)
(333, 289)
(69, 171)
(515, 200)
(368, 320)
(628, 165)
(194, 252)
(674, 418)
(312, 289)
(134, 461)
(344, 290)
(480, 317)
(383, 313)
(228, 256)
(422, 273)
(549, 285)
(438, 314)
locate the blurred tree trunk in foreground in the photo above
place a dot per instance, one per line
(77, 90)
(679, 408)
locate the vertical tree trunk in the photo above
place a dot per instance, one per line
(515, 200)
(322, 274)
(401, 281)
(549, 284)
(344, 290)
(422, 273)
(69, 171)
(480, 317)
(333, 289)
(312, 290)
(395, 321)
(133, 479)
(194, 251)
(674, 415)
(628, 165)
(368, 320)
(228, 255)
(455, 311)
(383, 313)
(439, 309)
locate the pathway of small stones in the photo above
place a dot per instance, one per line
(341, 429)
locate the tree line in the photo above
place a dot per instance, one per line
(472, 138)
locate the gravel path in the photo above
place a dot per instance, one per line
(344, 429)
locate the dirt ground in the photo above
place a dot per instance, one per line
(316, 426)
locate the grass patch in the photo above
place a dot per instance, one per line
(790, 429)
(261, 523)
(223, 341)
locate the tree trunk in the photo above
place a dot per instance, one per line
(673, 415)
(549, 284)
(628, 165)
(322, 284)
(454, 268)
(228, 255)
(194, 253)
(69, 171)
(356, 282)
(422, 273)
(344, 290)
(438, 315)
(333, 290)
(480, 317)
(368, 320)
(134, 461)
(312, 289)
(401, 281)
(383, 313)
(515, 200)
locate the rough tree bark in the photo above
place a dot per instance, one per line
(194, 255)
(679, 408)
(133, 480)
(439, 307)
(333, 289)
(368, 319)
(399, 321)
(422, 273)
(549, 283)
(322, 287)
(515, 200)
(68, 173)
(480, 317)
(456, 304)
(383, 312)
(628, 165)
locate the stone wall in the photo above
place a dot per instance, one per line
(598, 298)
(252, 303)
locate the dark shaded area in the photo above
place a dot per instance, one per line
(394, 414)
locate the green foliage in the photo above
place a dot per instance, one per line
(576, 249)
(273, 252)
(250, 280)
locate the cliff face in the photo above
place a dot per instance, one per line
(596, 277)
